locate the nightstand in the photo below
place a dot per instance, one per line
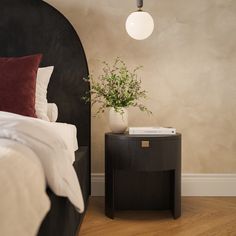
(142, 172)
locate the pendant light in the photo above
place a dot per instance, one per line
(139, 24)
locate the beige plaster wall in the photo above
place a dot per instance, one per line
(189, 71)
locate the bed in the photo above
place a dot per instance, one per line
(32, 26)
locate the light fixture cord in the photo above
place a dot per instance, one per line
(139, 4)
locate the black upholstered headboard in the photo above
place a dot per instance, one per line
(33, 26)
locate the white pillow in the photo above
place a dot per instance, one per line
(52, 112)
(42, 81)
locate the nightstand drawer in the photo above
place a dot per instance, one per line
(148, 154)
(158, 155)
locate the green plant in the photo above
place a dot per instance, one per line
(116, 87)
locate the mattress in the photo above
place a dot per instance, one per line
(68, 133)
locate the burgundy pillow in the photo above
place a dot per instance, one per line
(18, 84)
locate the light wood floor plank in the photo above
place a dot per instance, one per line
(201, 216)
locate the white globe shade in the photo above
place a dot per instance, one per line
(139, 25)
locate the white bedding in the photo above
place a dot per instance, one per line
(68, 133)
(31, 149)
(23, 201)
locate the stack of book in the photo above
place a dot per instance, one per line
(152, 130)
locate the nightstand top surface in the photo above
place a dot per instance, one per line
(138, 136)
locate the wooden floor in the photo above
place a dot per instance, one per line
(203, 216)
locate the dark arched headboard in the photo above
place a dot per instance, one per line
(33, 26)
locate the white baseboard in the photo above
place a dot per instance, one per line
(192, 184)
(98, 184)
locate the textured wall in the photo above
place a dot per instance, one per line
(189, 71)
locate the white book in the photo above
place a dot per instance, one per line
(152, 130)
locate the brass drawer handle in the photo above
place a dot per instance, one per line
(145, 144)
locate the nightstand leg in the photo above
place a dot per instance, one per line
(176, 211)
(109, 194)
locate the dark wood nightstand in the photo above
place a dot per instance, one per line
(142, 172)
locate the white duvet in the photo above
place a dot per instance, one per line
(31, 156)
